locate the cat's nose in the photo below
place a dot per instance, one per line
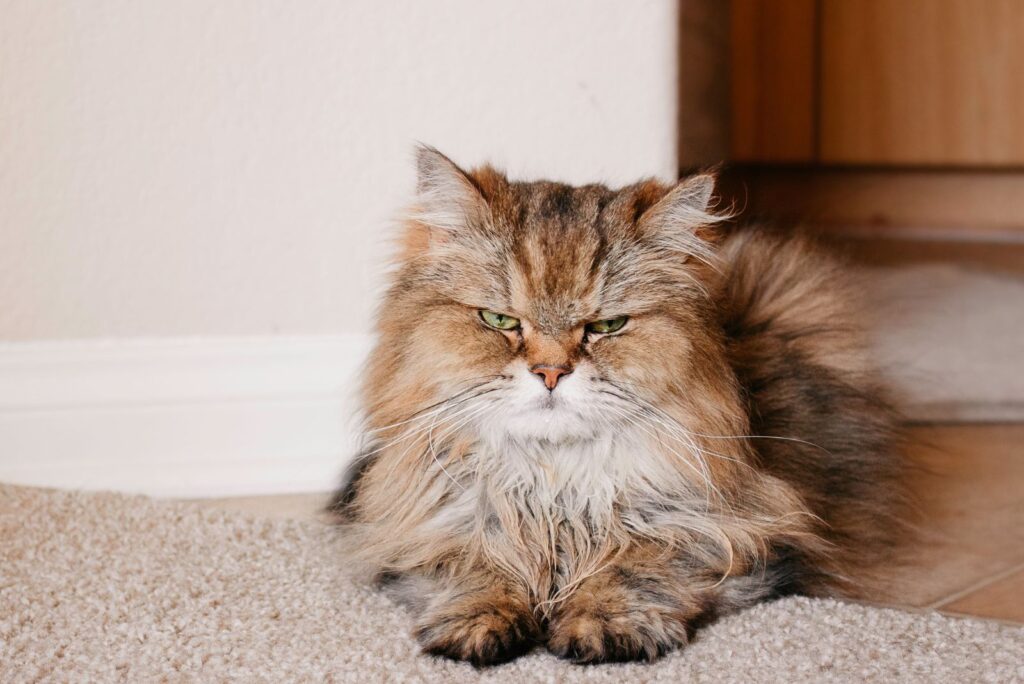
(550, 374)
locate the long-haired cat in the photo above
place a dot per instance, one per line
(595, 423)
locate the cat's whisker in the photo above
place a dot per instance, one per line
(436, 406)
(696, 451)
(413, 432)
(777, 437)
(399, 458)
(670, 423)
(413, 429)
(702, 471)
(711, 528)
(678, 432)
(452, 430)
(632, 396)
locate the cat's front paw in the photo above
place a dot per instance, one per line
(600, 636)
(481, 634)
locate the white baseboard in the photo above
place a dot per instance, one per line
(180, 417)
(234, 416)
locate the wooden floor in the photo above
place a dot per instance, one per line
(970, 559)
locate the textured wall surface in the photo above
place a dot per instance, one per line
(194, 168)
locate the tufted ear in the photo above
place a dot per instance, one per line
(687, 203)
(682, 219)
(446, 197)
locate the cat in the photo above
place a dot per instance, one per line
(597, 420)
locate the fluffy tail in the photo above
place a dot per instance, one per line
(817, 408)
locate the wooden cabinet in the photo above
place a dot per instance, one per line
(922, 82)
(773, 54)
(878, 82)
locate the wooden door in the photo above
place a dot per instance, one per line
(922, 82)
(878, 82)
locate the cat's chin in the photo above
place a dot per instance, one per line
(549, 422)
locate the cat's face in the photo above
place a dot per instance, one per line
(547, 311)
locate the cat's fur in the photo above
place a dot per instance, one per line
(727, 446)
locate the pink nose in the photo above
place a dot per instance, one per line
(550, 374)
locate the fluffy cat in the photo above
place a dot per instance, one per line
(595, 423)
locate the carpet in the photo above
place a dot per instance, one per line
(107, 587)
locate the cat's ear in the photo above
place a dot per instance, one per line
(684, 219)
(687, 203)
(446, 198)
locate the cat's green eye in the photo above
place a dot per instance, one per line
(498, 320)
(607, 326)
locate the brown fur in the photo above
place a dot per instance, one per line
(728, 445)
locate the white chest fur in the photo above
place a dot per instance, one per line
(585, 480)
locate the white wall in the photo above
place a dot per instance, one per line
(229, 167)
(218, 177)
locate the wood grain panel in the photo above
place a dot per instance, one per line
(936, 204)
(773, 51)
(922, 82)
(703, 90)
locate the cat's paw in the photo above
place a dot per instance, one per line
(600, 637)
(483, 635)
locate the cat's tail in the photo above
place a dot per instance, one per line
(821, 418)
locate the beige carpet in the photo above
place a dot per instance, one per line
(103, 587)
